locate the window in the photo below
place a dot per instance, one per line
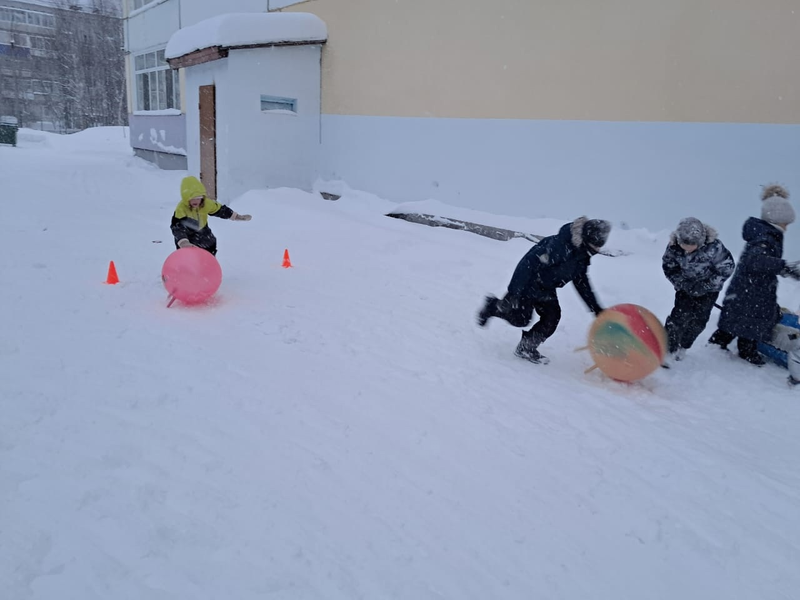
(137, 4)
(41, 87)
(21, 40)
(27, 17)
(41, 46)
(25, 89)
(157, 86)
(41, 43)
(276, 103)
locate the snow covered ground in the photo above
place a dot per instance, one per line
(342, 429)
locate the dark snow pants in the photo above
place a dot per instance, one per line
(519, 312)
(748, 349)
(204, 239)
(688, 319)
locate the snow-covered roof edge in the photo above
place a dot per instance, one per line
(247, 29)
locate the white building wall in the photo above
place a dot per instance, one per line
(278, 4)
(194, 11)
(152, 26)
(210, 73)
(151, 29)
(639, 174)
(266, 149)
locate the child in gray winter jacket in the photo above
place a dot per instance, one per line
(697, 264)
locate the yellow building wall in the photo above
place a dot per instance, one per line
(616, 60)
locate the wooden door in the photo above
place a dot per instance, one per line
(208, 139)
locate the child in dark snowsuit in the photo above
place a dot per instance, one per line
(750, 309)
(190, 219)
(697, 264)
(550, 264)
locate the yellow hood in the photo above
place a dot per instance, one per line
(191, 187)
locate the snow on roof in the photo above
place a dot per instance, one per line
(247, 29)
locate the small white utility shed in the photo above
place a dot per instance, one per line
(252, 99)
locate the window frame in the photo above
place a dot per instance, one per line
(45, 87)
(29, 18)
(133, 10)
(279, 104)
(148, 65)
(143, 4)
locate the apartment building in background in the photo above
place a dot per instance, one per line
(62, 63)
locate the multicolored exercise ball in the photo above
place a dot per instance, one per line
(627, 342)
(191, 275)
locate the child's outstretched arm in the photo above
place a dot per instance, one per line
(225, 212)
(585, 291)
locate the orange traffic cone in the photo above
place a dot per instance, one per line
(286, 262)
(112, 274)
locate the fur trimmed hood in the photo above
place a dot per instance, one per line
(711, 235)
(585, 232)
(576, 231)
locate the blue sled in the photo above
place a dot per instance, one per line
(773, 353)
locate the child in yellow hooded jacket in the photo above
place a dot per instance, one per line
(190, 219)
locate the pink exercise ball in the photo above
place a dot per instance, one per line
(191, 275)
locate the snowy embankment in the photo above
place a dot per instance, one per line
(342, 429)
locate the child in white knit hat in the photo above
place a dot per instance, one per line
(750, 309)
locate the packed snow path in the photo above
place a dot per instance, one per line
(342, 429)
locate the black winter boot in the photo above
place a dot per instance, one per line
(528, 349)
(748, 350)
(721, 338)
(488, 311)
(754, 359)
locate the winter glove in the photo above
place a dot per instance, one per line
(184, 243)
(237, 217)
(792, 269)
